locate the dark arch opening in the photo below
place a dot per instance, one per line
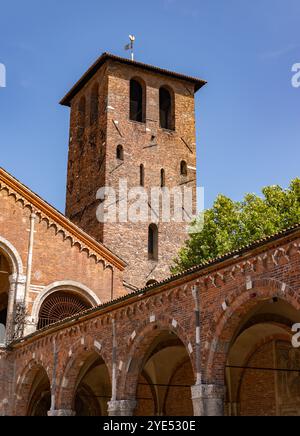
(162, 178)
(93, 390)
(142, 175)
(165, 378)
(261, 371)
(137, 101)
(183, 168)
(166, 109)
(120, 152)
(153, 242)
(40, 394)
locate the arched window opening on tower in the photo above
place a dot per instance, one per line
(59, 306)
(81, 118)
(137, 101)
(162, 178)
(153, 242)
(142, 175)
(94, 104)
(120, 152)
(183, 168)
(166, 109)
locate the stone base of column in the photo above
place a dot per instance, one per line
(208, 400)
(121, 407)
(61, 412)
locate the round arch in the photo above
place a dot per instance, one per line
(13, 255)
(227, 324)
(74, 370)
(137, 99)
(150, 349)
(239, 342)
(66, 285)
(32, 385)
(167, 107)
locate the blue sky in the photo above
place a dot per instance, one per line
(248, 116)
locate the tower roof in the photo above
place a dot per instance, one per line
(66, 101)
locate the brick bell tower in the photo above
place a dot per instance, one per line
(136, 122)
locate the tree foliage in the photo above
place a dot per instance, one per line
(230, 225)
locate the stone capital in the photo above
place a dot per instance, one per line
(121, 407)
(208, 391)
(208, 400)
(61, 412)
(17, 279)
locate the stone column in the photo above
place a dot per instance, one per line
(16, 294)
(121, 407)
(208, 400)
(61, 412)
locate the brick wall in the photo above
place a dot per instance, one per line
(257, 390)
(57, 256)
(178, 399)
(145, 398)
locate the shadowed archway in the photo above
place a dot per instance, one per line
(93, 387)
(165, 377)
(262, 368)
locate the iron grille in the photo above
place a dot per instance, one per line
(60, 306)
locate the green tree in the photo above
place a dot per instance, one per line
(230, 225)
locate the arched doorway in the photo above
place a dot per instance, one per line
(5, 272)
(93, 388)
(165, 379)
(40, 393)
(262, 369)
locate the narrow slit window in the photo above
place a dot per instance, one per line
(183, 168)
(142, 175)
(162, 178)
(120, 152)
(153, 242)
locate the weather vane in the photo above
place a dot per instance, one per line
(130, 46)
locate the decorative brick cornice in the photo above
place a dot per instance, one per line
(57, 220)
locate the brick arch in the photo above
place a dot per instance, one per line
(128, 378)
(70, 369)
(67, 286)
(226, 324)
(24, 384)
(13, 256)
